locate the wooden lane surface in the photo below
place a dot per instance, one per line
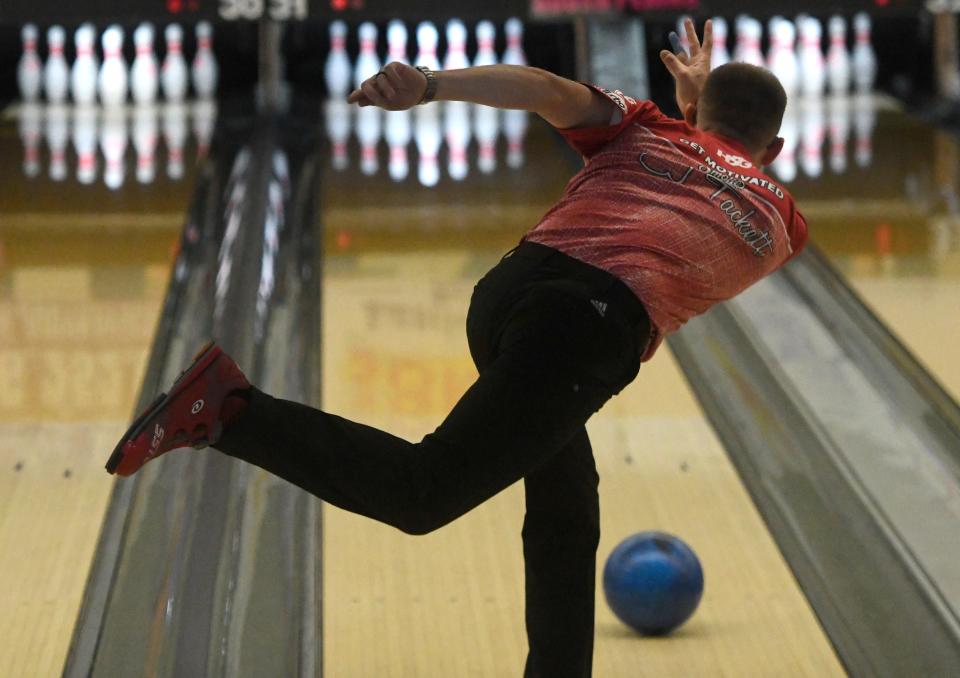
(73, 343)
(451, 603)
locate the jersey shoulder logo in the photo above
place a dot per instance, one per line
(734, 160)
(619, 98)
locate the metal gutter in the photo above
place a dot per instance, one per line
(207, 566)
(849, 451)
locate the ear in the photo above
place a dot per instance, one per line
(772, 150)
(690, 114)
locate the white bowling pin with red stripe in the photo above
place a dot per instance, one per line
(144, 74)
(29, 68)
(427, 38)
(514, 54)
(174, 76)
(204, 69)
(56, 73)
(83, 73)
(456, 46)
(368, 63)
(113, 78)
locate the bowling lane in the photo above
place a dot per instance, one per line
(85, 247)
(402, 257)
(886, 209)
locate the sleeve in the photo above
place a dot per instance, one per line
(588, 140)
(798, 234)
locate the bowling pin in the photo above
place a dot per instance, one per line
(57, 133)
(56, 74)
(864, 119)
(397, 42)
(398, 132)
(204, 117)
(456, 46)
(369, 128)
(85, 142)
(204, 69)
(145, 141)
(428, 139)
(748, 38)
(515, 129)
(83, 73)
(782, 59)
(785, 164)
(812, 136)
(514, 54)
(337, 119)
(771, 25)
(173, 76)
(486, 37)
(838, 60)
(336, 71)
(738, 37)
(368, 63)
(838, 111)
(30, 126)
(113, 143)
(812, 69)
(144, 78)
(863, 62)
(719, 55)
(174, 136)
(112, 79)
(29, 70)
(456, 129)
(427, 37)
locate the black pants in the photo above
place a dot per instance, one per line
(553, 339)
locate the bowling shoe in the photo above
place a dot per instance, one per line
(192, 413)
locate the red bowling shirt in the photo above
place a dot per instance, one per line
(681, 216)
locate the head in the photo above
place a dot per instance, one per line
(745, 103)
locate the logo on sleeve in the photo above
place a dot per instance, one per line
(619, 98)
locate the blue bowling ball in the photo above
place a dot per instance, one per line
(653, 582)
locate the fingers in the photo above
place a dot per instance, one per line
(371, 90)
(691, 36)
(392, 71)
(358, 97)
(382, 89)
(675, 44)
(382, 83)
(672, 62)
(708, 36)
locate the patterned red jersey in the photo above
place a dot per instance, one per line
(680, 215)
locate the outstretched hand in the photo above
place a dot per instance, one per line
(690, 71)
(396, 87)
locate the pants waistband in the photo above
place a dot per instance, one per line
(614, 288)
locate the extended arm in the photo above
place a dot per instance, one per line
(561, 102)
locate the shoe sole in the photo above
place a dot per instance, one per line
(161, 400)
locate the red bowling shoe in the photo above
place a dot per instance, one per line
(192, 414)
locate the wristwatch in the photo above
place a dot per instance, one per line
(431, 90)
